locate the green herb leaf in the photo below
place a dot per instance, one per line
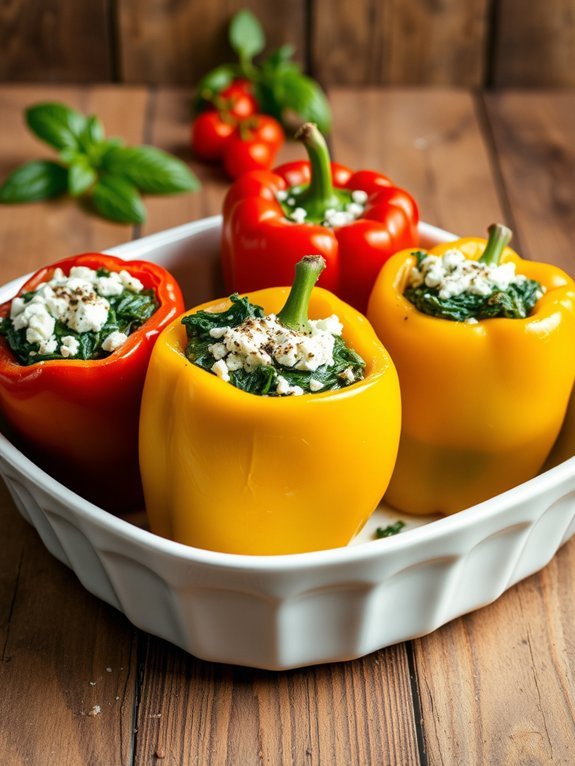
(81, 176)
(280, 57)
(246, 35)
(119, 200)
(56, 124)
(93, 135)
(390, 530)
(33, 181)
(514, 303)
(296, 93)
(150, 169)
(215, 81)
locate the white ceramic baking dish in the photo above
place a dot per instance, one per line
(282, 612)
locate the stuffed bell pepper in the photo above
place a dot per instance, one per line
(74, 347)
(356, 221)
(483, 343)
(264, 431)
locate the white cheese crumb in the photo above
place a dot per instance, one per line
(298, 215)
(453, 274)
(39, 322)
(359, 196)
(48, 346)
(114, 341)
(130, 282)
(218, 350)
(109, 286)
(347, 375)
(283, 388)
(220, 368)
(282, 195)
(69, 346)
(315, 385)
(96, 710)
(218, 332)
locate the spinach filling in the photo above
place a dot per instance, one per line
(263, 380)
(127, 312)
(516, 302)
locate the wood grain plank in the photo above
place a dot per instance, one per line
(56, 641)
(188, 39)
(534, 47)
(534, 140)
(198, 712)
(34, 234)
(498, 685)
(43, 40)
(399, 42)
(56, 645)
(429, 142)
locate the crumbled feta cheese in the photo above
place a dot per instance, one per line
(39, 322)
(330, 324)
(282, 195)
(218, 332)
(109, 286)
(347, 375)
(298, 215)
(359, 196)
(130, 282)
(355, 209)
(220, 368)
(114, 341)
(17, 307)
(218, 350)
(48, 346)
(69, 346)
(290, 200)
(77, 300)
(83, 273)
(266, 342)
(283, 388)
(453, 274)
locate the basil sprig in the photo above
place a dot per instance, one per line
(108, 174)
(281, 89)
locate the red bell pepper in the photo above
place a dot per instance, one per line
(79, 419)
(355, 220)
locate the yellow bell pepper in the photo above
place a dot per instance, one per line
(482, 403)
(232, 471)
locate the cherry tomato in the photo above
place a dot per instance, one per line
(210, 133)
(269, 130)
(237, 99)
(241, 156)
(253, 146)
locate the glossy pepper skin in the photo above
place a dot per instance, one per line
(261, 246)
(231, 471)
(79, 419)
(482, 403)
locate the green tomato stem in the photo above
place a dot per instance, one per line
(499, 238)
(319, 195)
(295, 312)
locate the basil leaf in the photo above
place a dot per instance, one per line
(56, 124)
(280, 57)
(81, 176)
(300, 94)
(150, 169)
(119, 200)
(33, 181)
(215, 81)
(93, 134)
(246, 35)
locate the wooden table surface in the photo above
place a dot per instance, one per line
(494, 687)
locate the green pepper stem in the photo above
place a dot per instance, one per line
(319, 195)
(499, 238)
(294, 314)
